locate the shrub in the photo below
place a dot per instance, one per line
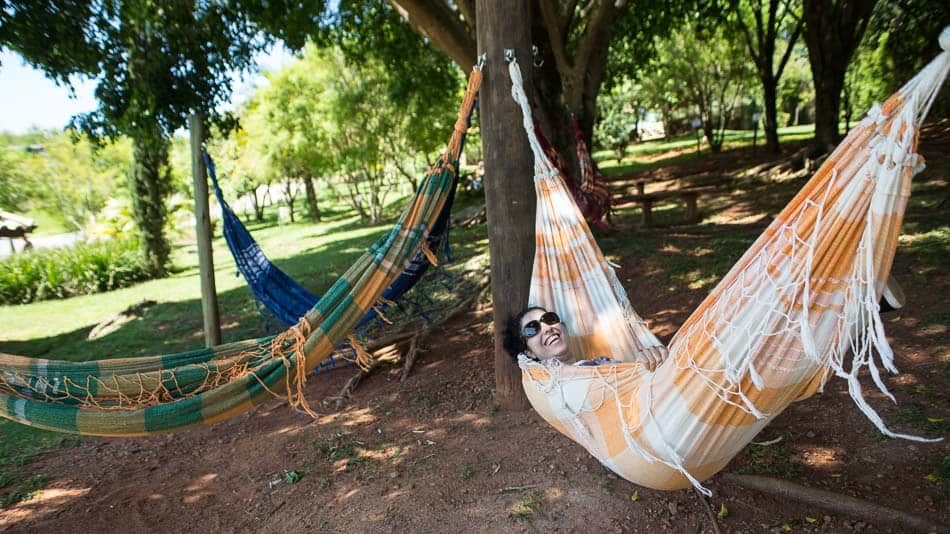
(81, 269)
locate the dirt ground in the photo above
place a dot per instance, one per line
(433, 454)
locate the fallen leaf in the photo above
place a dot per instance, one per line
(935, 419)
(932, 477)
(636, 496)
(723, 511)
(786, 527)
(836, 475)
(811, 519)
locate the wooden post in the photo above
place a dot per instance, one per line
(508, 182)
(692, 206)
(209, 297)
(646, 208)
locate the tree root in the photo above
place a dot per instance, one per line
(410, 358)
(709, 512)
(414, 333)
(481, 287)
(836, 502)
(351, 384)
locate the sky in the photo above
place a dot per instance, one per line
(29, 99)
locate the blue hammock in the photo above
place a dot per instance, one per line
(284, 296)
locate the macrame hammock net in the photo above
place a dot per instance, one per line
(152, 394)
(800, 304)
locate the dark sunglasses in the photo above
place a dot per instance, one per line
(532, 328)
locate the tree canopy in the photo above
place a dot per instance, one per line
(154, 63)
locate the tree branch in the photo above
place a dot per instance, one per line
(745, 33)
(552, 24)
(567, 16)
(468, 13)
(788, 50)
(592, 51)
(440, 24)
(599, 23)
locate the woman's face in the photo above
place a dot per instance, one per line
(550, 340)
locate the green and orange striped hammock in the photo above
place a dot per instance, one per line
(146, 395)
(801, 304)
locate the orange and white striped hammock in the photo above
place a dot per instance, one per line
(799, 305)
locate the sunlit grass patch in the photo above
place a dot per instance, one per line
(527, 506)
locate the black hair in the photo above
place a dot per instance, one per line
(513, 341)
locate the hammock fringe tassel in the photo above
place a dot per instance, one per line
(799, 305)
(146, 395)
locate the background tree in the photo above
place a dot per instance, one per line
(418, 77)
(709, 72)
(796, 92)
(72, 181)
(62, 174)
(11, 181)
(618, 116)
(155, 63)
(290, 132)
(573, 39)
(768, 31)
(662, 94)
(902, 37)
(833, 30)
(242, 170)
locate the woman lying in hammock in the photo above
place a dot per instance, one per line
(539, 335)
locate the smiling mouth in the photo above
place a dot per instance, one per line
(554, 337)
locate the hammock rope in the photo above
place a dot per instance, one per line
(152, 394)
(786, 316)
(289, 300)
(568, 260)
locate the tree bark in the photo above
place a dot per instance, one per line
(833, 30)
(312, 199)
(290, 196)
(509, 184)
(434, 20)
(769, 93)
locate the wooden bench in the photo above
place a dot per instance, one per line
(639, 183)
(624, 183)
(646, 201)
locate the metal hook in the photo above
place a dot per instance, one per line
(480, 64)
(535, 53)
(509, 54)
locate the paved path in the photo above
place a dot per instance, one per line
(7, 246)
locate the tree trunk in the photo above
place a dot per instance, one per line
(258, 206)
(150, 183)
(827, 104)
(769, 93)
(290, 196)
(509, 184)
(312, 199)
(833, 31)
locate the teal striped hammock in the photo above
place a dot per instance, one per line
(154, 394)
